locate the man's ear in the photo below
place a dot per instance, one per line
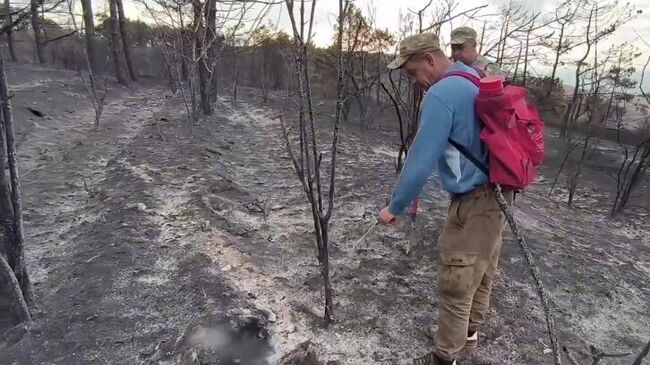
(428, 58)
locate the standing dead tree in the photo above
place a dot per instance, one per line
(14, 234)
(8, 244)
(564, 16)
(527, 52)
(200, 53)
(212, 38)
(116, 44)
(363, 47)
(37, 28)
(595, 31)
(97, 96)
(9, 32)
(238, 39)
(595, 90)
(171, 37)
(89, 30)
(636, 160)
(268, 67)
(192, 37)
(308, 162)
(126, 47)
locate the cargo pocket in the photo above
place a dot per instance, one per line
(456, 272)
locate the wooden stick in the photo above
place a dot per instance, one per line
(534, 270)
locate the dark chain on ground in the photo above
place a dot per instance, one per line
(534, 270)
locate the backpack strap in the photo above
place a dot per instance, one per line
(466, 75)
(479, 71)
(470, 156)
(462, 149)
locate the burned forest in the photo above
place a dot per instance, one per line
(202, 182)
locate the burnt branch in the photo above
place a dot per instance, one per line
(60, 37)
(642, 355)
(569, 356)
(470, 13)
(598, 355)
(534, 271)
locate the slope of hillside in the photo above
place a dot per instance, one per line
(148, 245)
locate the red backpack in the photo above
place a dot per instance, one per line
(512, 132)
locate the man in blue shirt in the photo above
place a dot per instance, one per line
(470, 243)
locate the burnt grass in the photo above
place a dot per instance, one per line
(150, 245)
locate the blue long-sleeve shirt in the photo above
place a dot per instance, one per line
(447, 111)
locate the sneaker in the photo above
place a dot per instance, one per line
(432, 359)
(472, 341)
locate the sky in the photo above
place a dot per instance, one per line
(386, 16)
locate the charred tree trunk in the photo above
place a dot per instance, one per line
(565, 160)
(525, 76)
(502, 51)
(514, 76)
(183, 54)
(573, 184)
(200, 40)
(211, 24)
(558, 53)
(10, 34)
(265, 68)
(480, 46)
(629, 177)
(115, 44)
(363, 107)
(575, 104)
(325, 271)
(170, 74)
(125, 39)
(38, 31)
(16, 199)
(307, 163)
(91, 40)
(6, 209)
(235, 80)
(16, 298)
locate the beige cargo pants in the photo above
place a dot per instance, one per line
(469, 248)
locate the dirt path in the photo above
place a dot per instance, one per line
(104, 211)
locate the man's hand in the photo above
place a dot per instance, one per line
(386, 217)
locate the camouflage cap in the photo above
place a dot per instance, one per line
(462, 34)
(413, 45)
